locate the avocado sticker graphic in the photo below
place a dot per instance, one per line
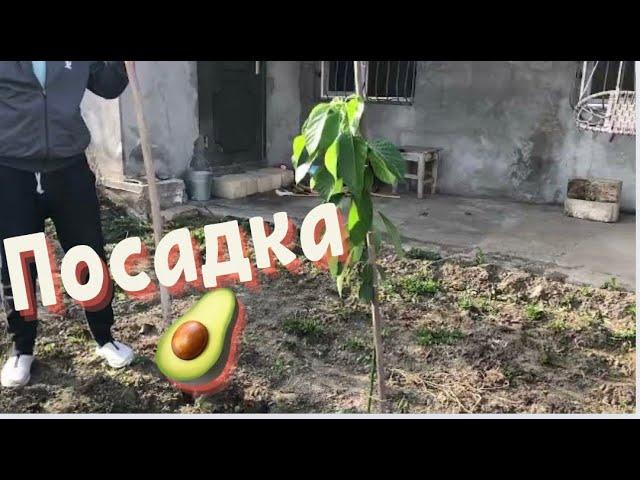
(199, 352)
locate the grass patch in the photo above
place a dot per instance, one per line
(479, 304)
(465, 303)
(570, 301)
(558, 325)
(480, 258)
(534, 311)
(586, 291)
(547, 358)
(356, 345)
(611, 284)
(198, 234)
(631, 310)
(438, 336)
(591, 320)
(402, 405)
(511, 373)
(47, 349)
(419, 285)
(280, 366)
(626, 335)
(422, 254)
(120, 227)
(303, 328)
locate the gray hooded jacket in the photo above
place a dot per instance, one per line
(42, 129)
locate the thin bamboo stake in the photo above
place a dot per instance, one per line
(376, 317)
(154, 199)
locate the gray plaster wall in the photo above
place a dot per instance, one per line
(283, 100)
(170, 98)
(103, 120)
(507, 129)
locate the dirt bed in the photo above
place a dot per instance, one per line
(464, 335)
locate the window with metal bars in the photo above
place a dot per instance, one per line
(605, 76)
(386, 82)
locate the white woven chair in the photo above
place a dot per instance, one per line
(610, 110)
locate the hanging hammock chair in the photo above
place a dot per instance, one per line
(604, 97)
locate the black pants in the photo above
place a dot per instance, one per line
(70, 200)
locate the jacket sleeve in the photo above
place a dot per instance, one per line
(107, 79)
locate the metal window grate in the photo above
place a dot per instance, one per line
(387, 81)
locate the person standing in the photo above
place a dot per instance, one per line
(44, 174)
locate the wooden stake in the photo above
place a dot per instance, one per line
(154, 199)
(376, 317)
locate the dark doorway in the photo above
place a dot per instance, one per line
(231, 97)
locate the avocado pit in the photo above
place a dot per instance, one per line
(189, 340)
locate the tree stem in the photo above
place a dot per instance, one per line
(376, 320)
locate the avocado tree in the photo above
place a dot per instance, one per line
(343, 165)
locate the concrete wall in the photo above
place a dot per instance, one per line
(283, 110)
(103, 119)
(170, 97)
(507, 129)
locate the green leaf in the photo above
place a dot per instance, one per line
(334, 266)
(360, 149)
(298, 150)
(355, 108)
(394, 235)
(366, 283)
(323, 183)
(380, 169)
(331, 159)
(387, 161)
(368, 179)
(302, 170)
(340, 282)
(360, 218)
(338, 186)
(348, 169)
(321, 128)
(356, 252)
(337, 198)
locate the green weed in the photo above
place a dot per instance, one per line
(438, 336)
(419, 285)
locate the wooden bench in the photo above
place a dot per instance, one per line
(427, 159)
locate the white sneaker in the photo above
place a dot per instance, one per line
(117, 354)
(16, 371)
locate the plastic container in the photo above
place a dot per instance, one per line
(199, 184)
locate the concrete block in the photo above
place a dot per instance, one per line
(288, 177)
(596, 199)
(134, 195)
(276, 173)
(233, 186)
(588, 210)
(267, 181)
(595, 189)
(240, 185)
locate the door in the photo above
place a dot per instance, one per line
(232, 107)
